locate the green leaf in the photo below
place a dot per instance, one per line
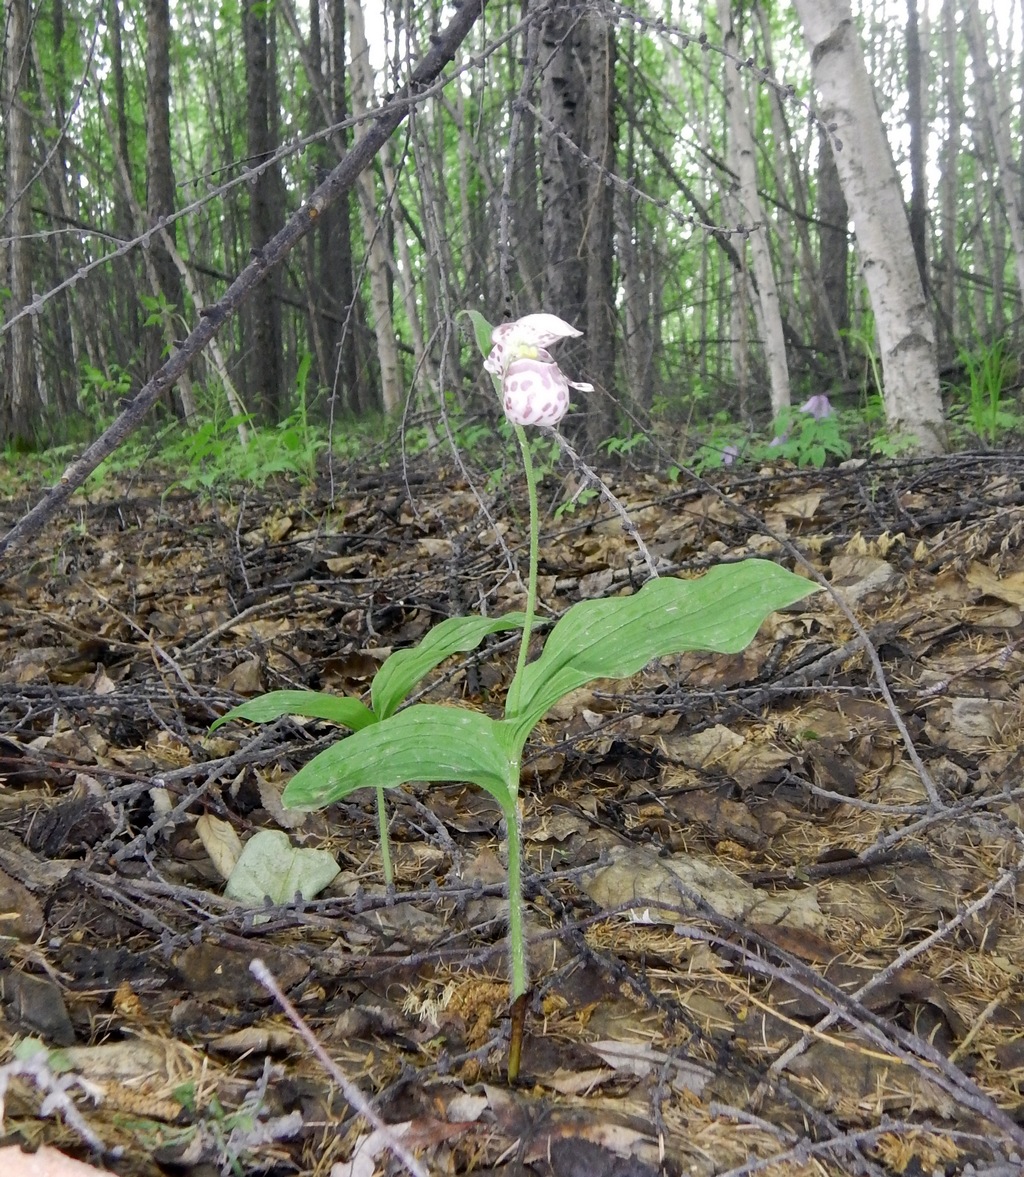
(404, 669)
(423, 743)
(310, 704)
(615, 638)
(270, 865)
(481, 330)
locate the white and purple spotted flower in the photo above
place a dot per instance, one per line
(534, 390)
(819, 406)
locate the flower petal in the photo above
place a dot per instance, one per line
(540, 329)
(534, 392)
(525, 336)
(818, 406)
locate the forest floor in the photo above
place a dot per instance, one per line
(771, 932)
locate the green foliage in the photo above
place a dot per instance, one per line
(798, 436)
(398, 675)
(234, 1139)
(100, 393)
(587, 495)
(721, 611)
(861, 339)
(344, 712)
(726, 442)
(157, 309)
(595, 639)
(806, 440)
(612, 638)
(21, 472)
(891, 443)
(982, 404)
(214, 460)
(623, 446)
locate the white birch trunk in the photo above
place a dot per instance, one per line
(906, 333)
(742, 159)
(373, 233)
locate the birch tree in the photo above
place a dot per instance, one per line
(906, 333)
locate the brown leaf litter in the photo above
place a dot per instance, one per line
(767, 934)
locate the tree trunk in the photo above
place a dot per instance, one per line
(905, 330)
(833, 249)
(598, 53)
(918, 216)
(263, 331)
(160, 191)
(563, 189)
(374, 222)
(577, 95)
(125, 301)
(949, 222)
(998, 123)
(340, 282)
(742, 160)
(331, 272)
(18, 394)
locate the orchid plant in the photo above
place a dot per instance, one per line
(594, 639)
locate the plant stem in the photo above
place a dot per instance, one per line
(512, 700)
(518, 966)
(385, 839)
(516, 943)
(513, 820)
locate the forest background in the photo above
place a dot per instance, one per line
(652, 173)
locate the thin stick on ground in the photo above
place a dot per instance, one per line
(591, 478)
(351, 1092)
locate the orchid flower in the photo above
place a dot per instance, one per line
(534, 390)
(818, 406)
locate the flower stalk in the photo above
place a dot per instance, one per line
(512, 699)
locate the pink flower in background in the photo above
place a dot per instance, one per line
(534, 390)
(818, 406)
(730, 454)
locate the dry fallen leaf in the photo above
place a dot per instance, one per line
(220, 841)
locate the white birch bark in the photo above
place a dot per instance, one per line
(906, 333)
(376, 245)
(742, 159)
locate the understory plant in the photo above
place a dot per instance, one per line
(806, 436)
(594, 639)
(989, 370)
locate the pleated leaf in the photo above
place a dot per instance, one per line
(426, 742)
(405, 668)
(720, 611)
(309, 704)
